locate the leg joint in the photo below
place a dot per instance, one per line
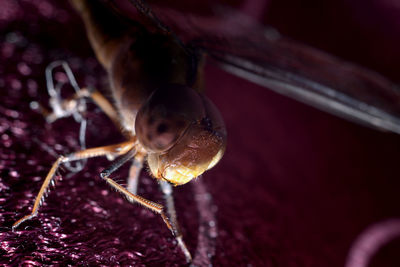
(63, 159)
(104, 174)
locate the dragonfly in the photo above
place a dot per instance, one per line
(242, 47)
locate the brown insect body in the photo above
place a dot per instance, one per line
(154, 67)
(155, 82)
(138, 62)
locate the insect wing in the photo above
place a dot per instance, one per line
(260, 54)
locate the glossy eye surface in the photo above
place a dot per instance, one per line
(193, 136)
(166, 115)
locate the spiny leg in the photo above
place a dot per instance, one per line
(155, 207)
(167, 190)
(117, 149)
(40, 197)
(134, 173)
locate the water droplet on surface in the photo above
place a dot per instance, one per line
(32, 87)
(11, 113)
(31, 162)
(32, 55)
(16, 84)
(14, 174)
(24, 69)
(13, 37)
(5, 137)
(7, 50)
(46, 9)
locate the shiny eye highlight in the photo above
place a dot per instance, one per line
(165, 116)
(186, 139)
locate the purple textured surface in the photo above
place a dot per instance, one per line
(296, 187)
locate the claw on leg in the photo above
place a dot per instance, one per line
(25, 218)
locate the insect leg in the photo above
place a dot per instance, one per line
(102, 103)
(117, 149)
(167, 190)
(68, 106)
(134, 173)
(157, 208)
(133, 198)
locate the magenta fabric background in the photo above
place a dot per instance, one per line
(296, 186)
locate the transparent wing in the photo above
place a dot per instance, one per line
(260, 54)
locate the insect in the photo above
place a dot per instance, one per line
(156, 84)
(255, 53)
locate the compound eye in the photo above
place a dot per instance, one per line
(160, 134)
(166, 115)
